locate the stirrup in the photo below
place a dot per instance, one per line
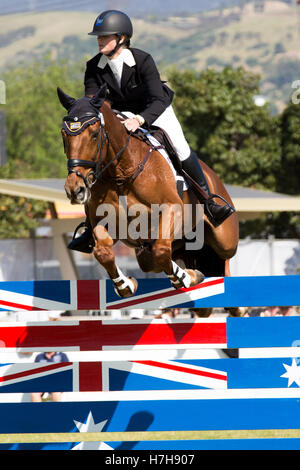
(211, 216)
(85, 242)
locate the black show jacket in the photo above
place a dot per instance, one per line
(142, 91)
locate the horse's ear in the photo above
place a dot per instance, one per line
(66, 100)
(99, 97)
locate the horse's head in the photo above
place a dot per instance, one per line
(84, 138)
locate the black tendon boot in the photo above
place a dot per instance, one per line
(84, 242)
(215, 213)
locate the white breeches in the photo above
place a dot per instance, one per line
(169, 123)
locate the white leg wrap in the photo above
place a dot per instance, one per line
(179, 276)
(126, 282)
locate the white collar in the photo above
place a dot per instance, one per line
(125, 56)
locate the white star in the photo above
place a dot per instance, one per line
(91, 426)
(292, 373)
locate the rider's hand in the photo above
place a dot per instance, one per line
(131, 124)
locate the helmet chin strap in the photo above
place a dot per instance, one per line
(118, 45)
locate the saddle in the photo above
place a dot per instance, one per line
(164, 140)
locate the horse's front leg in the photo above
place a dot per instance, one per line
(124, 286)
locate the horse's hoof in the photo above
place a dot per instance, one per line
(196, 276)
(129, 290)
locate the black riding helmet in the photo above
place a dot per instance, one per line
(112, 22)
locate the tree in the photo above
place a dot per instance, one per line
(34, 144)
(34, 114)
(290, 143)
(288, 224)
(240, 140)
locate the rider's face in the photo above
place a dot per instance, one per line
(107, 44)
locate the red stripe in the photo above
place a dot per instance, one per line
(88, 295)
(93, 335)
(19, 306)
(130, 303)
(203, 373)
(31, 372)
(90, 377)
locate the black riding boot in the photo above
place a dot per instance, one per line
(215, 213)
(84, 242)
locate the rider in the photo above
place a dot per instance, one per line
(134, 84)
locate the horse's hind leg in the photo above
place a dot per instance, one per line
(124, 286)
(144, 258)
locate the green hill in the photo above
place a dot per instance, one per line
(264, 42)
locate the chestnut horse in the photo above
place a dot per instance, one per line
(106, 163)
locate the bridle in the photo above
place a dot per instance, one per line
(96, 164)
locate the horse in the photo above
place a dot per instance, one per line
(106, 164)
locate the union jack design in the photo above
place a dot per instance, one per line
(167, 297)
(51, 295)
(107, 376)
(97, 295)
(251, 291)
(50, 377)
(165, 375)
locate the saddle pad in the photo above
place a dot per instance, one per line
(156, 144)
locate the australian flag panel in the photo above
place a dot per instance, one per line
(138, 414)
(209, 373)
(151, 294)
(151, 375)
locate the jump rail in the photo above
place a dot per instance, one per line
(151, 294)
(155, 376)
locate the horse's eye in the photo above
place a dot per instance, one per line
(94, 135)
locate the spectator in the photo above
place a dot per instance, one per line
(273, 311)
(49, 357)
(286, 311)
(136, 314)
(200, 312)
(269, 312)
(168, 313)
